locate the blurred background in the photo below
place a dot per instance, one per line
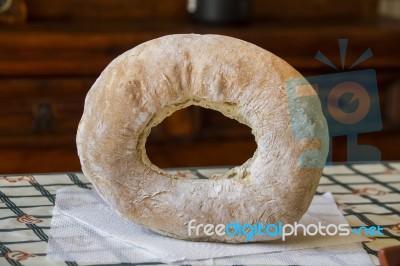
(51, 52)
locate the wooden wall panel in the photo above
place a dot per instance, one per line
(150, 10)
(53, 59)
(103, 10)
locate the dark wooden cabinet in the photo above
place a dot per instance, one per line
(48, 64)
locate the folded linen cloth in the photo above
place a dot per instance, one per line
(86, 229)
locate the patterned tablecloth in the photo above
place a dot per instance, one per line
(367, 194)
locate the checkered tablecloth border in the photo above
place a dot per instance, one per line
(367, 188)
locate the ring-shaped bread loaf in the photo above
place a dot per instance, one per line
(144, 85)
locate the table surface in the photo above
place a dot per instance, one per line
(367, 195)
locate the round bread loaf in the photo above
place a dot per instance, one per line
(242, 81)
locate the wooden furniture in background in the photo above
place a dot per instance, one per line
(13, 11)
(48, 64)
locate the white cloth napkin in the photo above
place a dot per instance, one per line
(85, 229)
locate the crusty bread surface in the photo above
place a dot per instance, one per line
(244, 82)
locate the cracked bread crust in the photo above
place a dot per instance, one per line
(144, 85)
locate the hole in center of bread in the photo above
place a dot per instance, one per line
(198, 137)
